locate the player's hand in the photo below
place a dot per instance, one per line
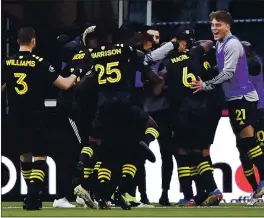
(77, 72)
(198, 85)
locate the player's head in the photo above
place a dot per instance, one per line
(220, 24)
(248, 48)
(153, 31)
(27, 37)
(89, 38)
(104, 32)
(185, 37)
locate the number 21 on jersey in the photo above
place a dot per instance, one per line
(110, 73)
(23, 87)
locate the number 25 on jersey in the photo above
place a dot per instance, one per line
(110, 73)
(23, 87)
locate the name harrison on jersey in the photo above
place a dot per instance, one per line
(101, 54)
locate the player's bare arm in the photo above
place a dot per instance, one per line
(65, 83)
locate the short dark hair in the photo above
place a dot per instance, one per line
(25, 35)
(221, 15)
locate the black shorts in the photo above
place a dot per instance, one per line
(27, 133)
(196, 124)
(242, 113)
(259, 129)
(119, 121)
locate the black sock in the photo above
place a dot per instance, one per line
(84, 166)
(141, 179)
(128, 174)
(164, 193)
(37, 177)
(197, 180)
(104, 186)
(26, 169)
(249, 173)
(150, 135)
(184, 174)
(205, 170)
(86, 152)
(247, 146)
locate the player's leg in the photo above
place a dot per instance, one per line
(182, 157)
(201, 158)
(243, 117)
(138, 118)
(165, 143)
(105, 178)
(34, 140)
(259, 129)
(26, 166)
(129, 171)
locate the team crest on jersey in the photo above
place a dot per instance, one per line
(51, 68)
(206, 65)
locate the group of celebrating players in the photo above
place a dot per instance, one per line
(186, 85)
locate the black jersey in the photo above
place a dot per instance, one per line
(27, 76)
(180, 70)
(80, 60)
(114, 70)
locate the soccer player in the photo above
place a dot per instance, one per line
(26, 77)
(158, 107)
(113, 72)
(240, 94)
(255, 70)
(191, 115)
(79, 108)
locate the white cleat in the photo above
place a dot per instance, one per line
(85, 195)
(80, 202)
(145, 206)
(63, 203)
(253, 201)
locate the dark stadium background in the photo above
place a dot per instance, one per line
(52, 18)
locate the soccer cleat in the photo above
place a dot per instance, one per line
(144, 199)
(164, 200)
(122, 201)
(191, 203)
(141, 205)
(260, 190)
(132, 200)
(63, 203)
(252, 201)
(182, 202)
(103, 205)
(213, 198)
(85, 195)
(80, 202)
(31, 204)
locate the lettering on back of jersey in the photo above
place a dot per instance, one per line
(107, 53)
(78, 56)
(180, 58)
(20, 63)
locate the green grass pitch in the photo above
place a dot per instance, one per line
(235, 210)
